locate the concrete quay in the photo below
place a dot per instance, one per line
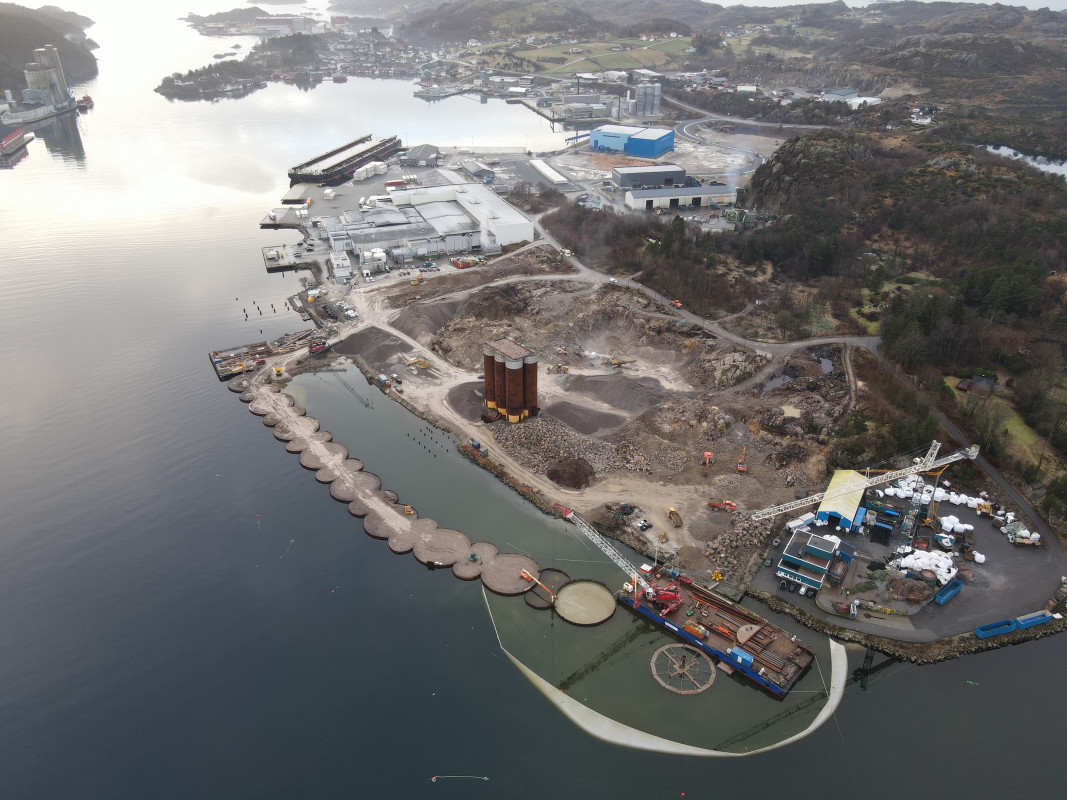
(384, 517)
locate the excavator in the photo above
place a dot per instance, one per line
(708, 460)
(421, 363)
(416, 280)
(741, 466)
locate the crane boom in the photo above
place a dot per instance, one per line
(929, 462)
(606, 547)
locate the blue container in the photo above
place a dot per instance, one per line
(948, 592)
(992, 629)
(1030, 620)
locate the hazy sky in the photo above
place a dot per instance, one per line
(208, 6)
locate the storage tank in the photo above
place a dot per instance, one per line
(529, 383)
(489, 375)
(514, 388)
(499, 385)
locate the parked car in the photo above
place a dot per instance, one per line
(792, 586)
(803, 591)
(782, 584)
(767, 561)
(776, 542)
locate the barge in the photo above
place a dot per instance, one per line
(250, 357)
(738, 639)
(339, 164)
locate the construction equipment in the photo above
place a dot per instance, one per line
(416, 280)
(676, 303)
(664, 538)
(606, 547)
(709, 459)
(722, 505)
(929, 462)
(558, 369)
(676, 518)
(421, 363)
(527, 576)
(614, 361)
(741, 465)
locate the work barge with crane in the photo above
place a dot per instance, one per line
(740, 641)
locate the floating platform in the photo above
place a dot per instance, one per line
(339, 164)
(237, 360)
(742, 641)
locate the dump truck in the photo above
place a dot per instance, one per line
(722, 505)
(676, 518)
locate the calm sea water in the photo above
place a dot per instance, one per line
(185, 612)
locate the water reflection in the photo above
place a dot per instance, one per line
(61, 137)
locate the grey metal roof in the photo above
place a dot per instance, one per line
(683, 191)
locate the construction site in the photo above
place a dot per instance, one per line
(670, 432)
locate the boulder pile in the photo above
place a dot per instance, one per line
(730, 552)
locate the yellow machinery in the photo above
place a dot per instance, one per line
(416, 280)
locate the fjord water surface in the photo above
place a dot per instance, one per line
(186, 613)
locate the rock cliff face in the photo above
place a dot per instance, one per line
(802, 163)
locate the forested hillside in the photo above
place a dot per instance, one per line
(22, 30)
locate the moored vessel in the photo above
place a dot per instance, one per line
(740, 640)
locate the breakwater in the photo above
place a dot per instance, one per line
(384, 516)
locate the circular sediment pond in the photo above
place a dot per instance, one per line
(585, 602)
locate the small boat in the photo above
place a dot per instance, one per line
(340, 79)
(84, 103)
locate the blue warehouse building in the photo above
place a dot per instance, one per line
(640, 142)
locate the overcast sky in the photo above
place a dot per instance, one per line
(1055, 5)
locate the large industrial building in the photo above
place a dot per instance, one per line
(675, 196)
(808, 557)
(640, 142)
(652, 175)
(46, 81)
(410, 224)
(510, 372)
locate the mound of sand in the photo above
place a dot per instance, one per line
(584, 420)
(379, 348)
(466, 399)
(635, 395)
(422, 321)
